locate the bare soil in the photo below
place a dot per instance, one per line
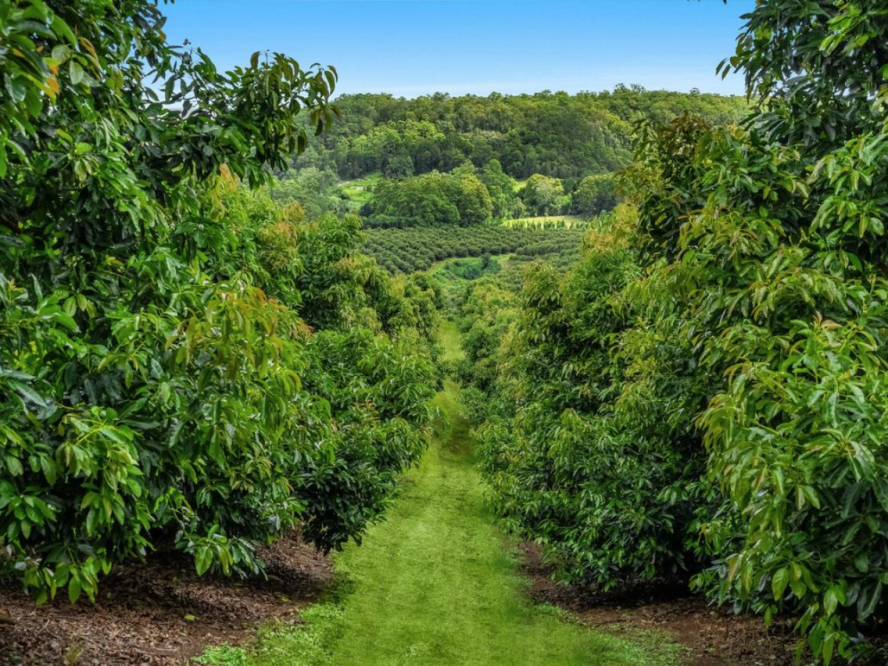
(713, 636)
(160, 612)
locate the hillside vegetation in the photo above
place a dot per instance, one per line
(550, 133)
(464, 160)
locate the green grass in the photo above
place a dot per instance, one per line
(358, 190)
(449, 336)
(437, 584)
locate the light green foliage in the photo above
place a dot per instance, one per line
(548, 222)
(595, 195)
(359, 191)
(543, 195)
(181, 359)
(788, 303)
(455, 275)
(486, 314)
(714, 399)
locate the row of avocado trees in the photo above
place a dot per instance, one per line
(183, 362)
(706, 391)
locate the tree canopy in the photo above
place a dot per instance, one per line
(553, 134)
(183, 362)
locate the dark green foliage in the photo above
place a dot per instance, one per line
(580, 442)
(181, 360)
(413, 250)
(432, 199)
(554, 134)
(501, 187)
(595, 195)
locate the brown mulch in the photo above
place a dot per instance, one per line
(160, 612)
(711, 635)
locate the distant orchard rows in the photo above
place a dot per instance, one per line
(418, 248)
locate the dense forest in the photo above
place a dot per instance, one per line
(553, 134)
(235, 308)
(466, 160)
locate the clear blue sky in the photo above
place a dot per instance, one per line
(416, 47)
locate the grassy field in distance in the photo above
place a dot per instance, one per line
(358, 190)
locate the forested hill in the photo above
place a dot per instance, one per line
(553, 134)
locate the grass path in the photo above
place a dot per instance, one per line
(437, 584)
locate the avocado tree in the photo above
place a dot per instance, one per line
(705, 391)
(153, 336)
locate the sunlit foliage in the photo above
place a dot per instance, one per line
(183, 363)
(705, 392)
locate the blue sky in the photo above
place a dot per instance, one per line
(417, 47)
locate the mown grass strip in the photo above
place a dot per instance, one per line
(438, 584)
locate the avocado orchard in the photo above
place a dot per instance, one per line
(182, 361)
(416, 249)
(188, 362)
(705, 391)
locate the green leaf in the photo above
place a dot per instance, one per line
(868, 601)
(14, 465)
(779, 583)
(76, 72)
(61, 53)
(74, 587)
(203, 560)
(830, 601)
(28, 393)
(827, 648)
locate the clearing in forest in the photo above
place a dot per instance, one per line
(438, 583)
